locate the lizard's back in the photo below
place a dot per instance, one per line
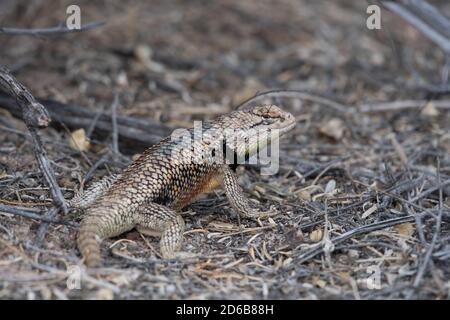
(163, 174)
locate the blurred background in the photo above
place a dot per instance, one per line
(169, 55)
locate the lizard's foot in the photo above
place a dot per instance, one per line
(172, 238)
(239, 202)
(164, 221)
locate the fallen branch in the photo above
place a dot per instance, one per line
(134, 134)
(48, 31)
(425, 193)
(297, 94)
(35, 116)
(43, 228)
(425, 18)
(33, 214)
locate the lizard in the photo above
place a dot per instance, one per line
(149, 194)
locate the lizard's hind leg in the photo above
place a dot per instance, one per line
(155, 218)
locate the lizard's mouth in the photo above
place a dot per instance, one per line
(285, 124)
(290, 125)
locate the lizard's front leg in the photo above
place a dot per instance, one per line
(237, 199)
(158, 218)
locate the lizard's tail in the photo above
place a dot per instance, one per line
(89, 242)
(102, 220)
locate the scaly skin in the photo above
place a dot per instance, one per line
(166, 177)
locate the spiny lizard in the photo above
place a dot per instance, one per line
(166, 177)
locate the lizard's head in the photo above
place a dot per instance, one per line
(270, 117)
(255, 127)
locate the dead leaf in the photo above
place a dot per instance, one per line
(331, 185)
(405, 229)
(265, 252)
(287, 262)
(251, 253)
(46, 293)
(122, 79)
(79, 141)
(316, 235)
(319, 282)
(334, 129)
(304, 195)
(430, 110)
(143, 54)
(104, 294)
(121, 280)
(271, 221)
(353, 254)
(345, 276)
(369, 211)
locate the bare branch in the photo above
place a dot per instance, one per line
(297, 94)
(35, 116)
(425, 18)
(33, 214)
(134, 134)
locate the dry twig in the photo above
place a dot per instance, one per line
(32, 214)
(297, 94)
(35, 116)
(425, 18)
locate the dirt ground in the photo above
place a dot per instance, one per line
(363, 187)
